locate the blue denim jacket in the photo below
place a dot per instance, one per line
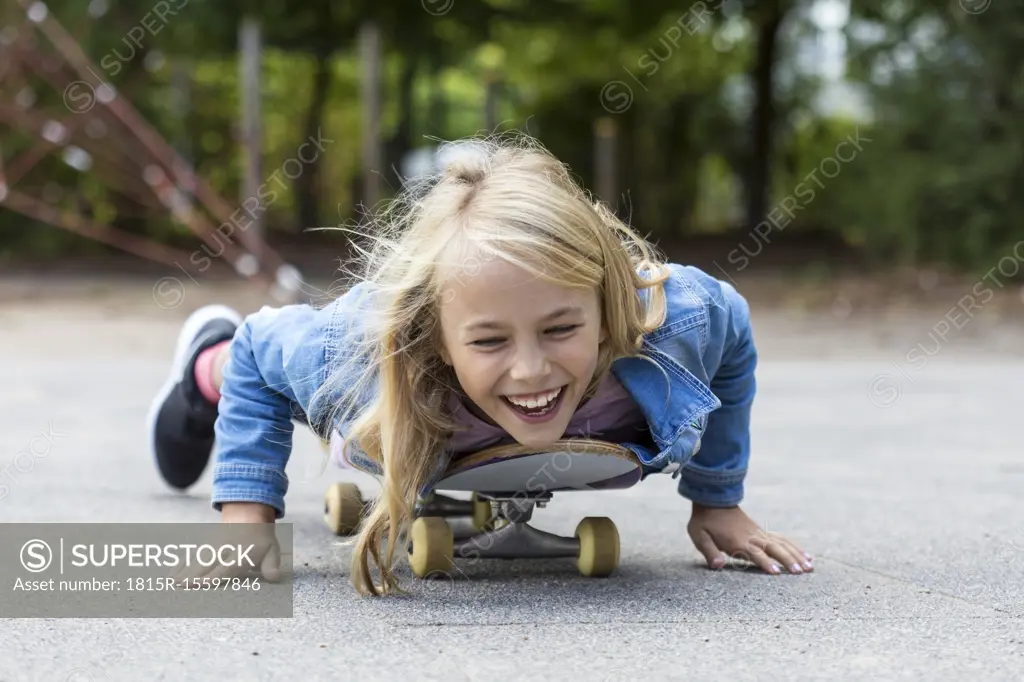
(699, 420)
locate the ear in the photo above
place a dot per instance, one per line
(602, 335)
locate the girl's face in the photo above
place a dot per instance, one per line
(523, 350)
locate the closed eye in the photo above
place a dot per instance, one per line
(486, 342)
(496, 340)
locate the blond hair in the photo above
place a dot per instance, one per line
(508, 198)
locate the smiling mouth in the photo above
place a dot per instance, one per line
(534, 407)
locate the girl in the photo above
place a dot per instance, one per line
(498, 302)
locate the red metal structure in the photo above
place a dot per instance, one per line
(95, 129)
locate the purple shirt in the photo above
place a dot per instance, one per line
(610, 415)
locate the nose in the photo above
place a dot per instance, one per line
(530, 364)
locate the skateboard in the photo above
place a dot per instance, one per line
(506, 483)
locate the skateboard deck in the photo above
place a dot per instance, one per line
(577, 464)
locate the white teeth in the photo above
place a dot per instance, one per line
(538, 401)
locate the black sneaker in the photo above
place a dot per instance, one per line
(180, 419)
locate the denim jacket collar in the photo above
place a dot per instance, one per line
(672, 406)
(672, 398)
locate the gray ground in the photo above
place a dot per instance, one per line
(905, 481)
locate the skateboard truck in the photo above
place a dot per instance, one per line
(507, 534)
(516, 538)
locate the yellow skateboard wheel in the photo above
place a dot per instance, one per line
(343, 508)
(433, 545)
(599, 547)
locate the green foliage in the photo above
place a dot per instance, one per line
(937, 179)
(943, 182)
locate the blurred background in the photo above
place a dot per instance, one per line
(812, 135)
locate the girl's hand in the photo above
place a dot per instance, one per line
(718, 532)
(266, 552)
(261, 550)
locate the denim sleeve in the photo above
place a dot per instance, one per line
(276, 364)
(714, 476)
